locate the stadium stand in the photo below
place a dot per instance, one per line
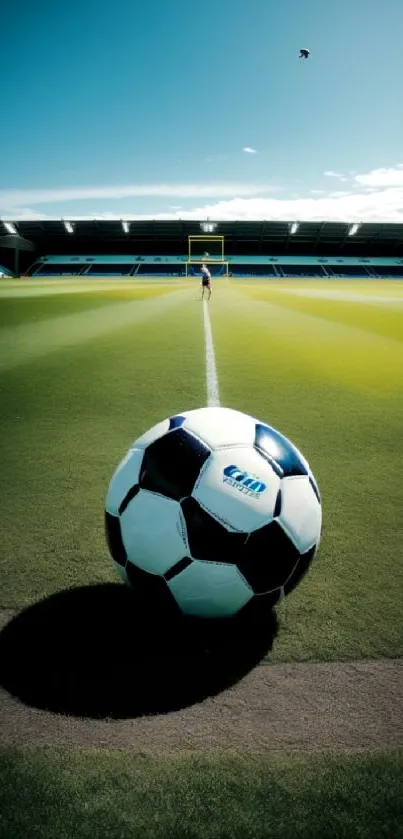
(272, 249)
(240, 266)
(386, 271)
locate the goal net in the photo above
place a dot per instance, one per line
(207, 250)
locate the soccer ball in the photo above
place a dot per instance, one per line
(220, 508)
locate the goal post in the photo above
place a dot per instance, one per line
(209, 247)
(208, 250)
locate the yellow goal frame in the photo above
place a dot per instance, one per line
(219, 259)
(199, 238)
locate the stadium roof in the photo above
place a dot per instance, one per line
(170, 237)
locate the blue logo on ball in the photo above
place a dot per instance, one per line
(244, 481)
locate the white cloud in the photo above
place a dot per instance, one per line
(23, 213)
(249, 150)
(381, 206)
(366, 203)
(20, 197)
(338, 175)
(382, 177)
(338, 193)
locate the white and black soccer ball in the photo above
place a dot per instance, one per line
(218, 506)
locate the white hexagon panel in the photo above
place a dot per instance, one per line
(210, 589)
(221, 426)
(301, 513)
(238, 487)
(125, 477)
(153, 532)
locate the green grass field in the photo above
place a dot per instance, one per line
(119, 796)
(87, 367)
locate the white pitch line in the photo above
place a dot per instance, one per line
(213, 396)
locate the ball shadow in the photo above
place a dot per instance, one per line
(103, 651)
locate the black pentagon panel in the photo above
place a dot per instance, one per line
(171, 465)
(300, 570)
(176, 422)
(208, 539)
(178, 568)
(314, 487)
(133, 491)
(268, 558)
(278, 504)
(151, 588)
(114, 539)
(281, 454)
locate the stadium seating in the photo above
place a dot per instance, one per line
(111, 270)
(275, 267)
(56, 269)
(349, 271)
(251, 270)
(301, 271)
(153, 269)
(388, 271)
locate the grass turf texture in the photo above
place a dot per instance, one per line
(48, 793)
(69, 415)
(76, 393)
(336, 391)
(35, 304)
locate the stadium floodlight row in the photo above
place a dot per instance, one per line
(277, 235)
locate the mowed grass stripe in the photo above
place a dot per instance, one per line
(381, 315)
(28, 289)
(346, 354)
(348, 288)
(22, 289)
(50, 302)
(116, 795)
(25, 342)
(276, 365)
(67, 419)
(329, 294)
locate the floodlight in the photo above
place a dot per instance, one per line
(353, 229)
(126, 226)
(69, 227)
(207, 226)
(294, 227)
(11, 228)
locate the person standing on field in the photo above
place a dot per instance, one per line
(206, 281)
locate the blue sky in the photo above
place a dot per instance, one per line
(137, 109)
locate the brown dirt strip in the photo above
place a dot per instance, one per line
(299, 706)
